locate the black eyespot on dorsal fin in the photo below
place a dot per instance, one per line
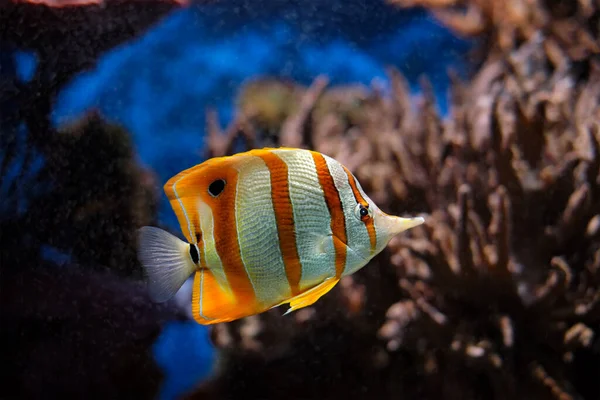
(216, 187)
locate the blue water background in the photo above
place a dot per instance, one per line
(159, 85)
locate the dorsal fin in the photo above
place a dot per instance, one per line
(185, 190)
(190, 186)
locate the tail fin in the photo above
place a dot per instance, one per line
(166, 261)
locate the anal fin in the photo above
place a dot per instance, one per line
(212, 304)
(309, 297)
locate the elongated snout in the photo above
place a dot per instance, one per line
(394, 225)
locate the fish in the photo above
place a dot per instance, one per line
(263, 228)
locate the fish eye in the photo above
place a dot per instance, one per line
(216, 188)
(362, 212)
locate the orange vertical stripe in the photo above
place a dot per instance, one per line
(225, 234)
(192, 186)
(284, 216)
(334, 204)
(367, 220)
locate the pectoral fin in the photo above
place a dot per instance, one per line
(310, 296)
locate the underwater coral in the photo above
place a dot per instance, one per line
(497, 296)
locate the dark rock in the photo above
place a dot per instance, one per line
(68, 333)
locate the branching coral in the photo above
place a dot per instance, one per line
(498, 294)
(571, 25)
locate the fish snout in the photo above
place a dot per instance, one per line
(394, 225)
